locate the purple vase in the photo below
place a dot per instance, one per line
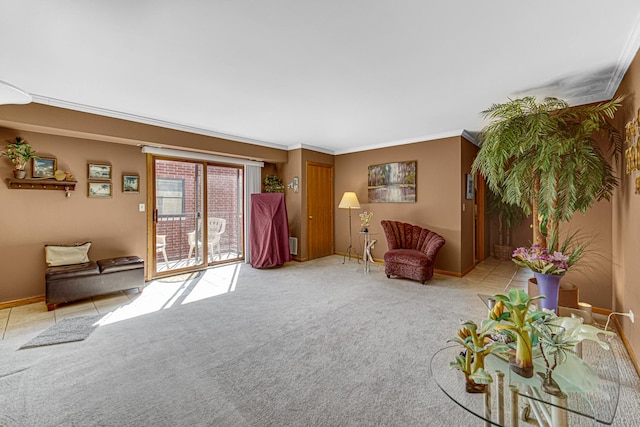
(549, 286)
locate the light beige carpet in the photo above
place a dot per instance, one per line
(309, 344)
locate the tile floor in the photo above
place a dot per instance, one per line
(27, 320)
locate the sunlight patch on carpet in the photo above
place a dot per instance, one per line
(162, 294)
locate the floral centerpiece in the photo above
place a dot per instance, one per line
(544, 343)
(365, 220)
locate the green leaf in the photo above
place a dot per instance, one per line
(550, 143)
(480, 376)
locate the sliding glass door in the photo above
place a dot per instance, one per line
(225, 207)
(197, 217)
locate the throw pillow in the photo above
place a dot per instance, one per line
(67, 254)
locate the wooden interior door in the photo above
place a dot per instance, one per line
(319, 210)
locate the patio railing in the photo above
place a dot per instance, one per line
(177, 227)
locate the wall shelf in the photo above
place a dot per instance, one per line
(41, 184)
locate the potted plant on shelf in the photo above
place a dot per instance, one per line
(545, 158)
(19, 153)
(508, 216)
(273, 184)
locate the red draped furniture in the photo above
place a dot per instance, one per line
(269, 231)
(412, 250)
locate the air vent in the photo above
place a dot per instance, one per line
(293, 245)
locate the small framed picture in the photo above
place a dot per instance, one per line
(99, 189)
(43, 167)
(99, 171)
(470, 189)
(130, 183)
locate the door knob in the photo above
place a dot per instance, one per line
(310, 217)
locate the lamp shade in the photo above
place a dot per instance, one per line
(349, 200)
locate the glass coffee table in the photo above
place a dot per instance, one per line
(586, 399)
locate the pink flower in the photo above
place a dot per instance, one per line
(538, 259)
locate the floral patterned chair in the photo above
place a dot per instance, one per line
(412, 250)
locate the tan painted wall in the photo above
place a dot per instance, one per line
(59, 121)
(593, 274)
(626, 221)
(291, 169)
(31, 218)
(438, 204)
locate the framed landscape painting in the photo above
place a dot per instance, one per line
(392, 182)
(99, 189)
(99, 171)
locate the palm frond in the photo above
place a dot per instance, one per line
(554, 144)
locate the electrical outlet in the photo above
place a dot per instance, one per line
(631, 316)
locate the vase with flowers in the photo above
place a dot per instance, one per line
(548, 268)
(365, 221)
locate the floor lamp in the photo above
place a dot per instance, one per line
(349, 201)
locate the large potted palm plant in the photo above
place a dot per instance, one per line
(546, 157)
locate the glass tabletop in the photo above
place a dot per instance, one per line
(591, 392)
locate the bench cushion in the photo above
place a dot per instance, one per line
(75, 270)
(112, 265)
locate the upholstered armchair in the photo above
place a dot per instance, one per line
(412, 250)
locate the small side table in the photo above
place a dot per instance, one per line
(369, 243)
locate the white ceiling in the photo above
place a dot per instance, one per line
(335, 75)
